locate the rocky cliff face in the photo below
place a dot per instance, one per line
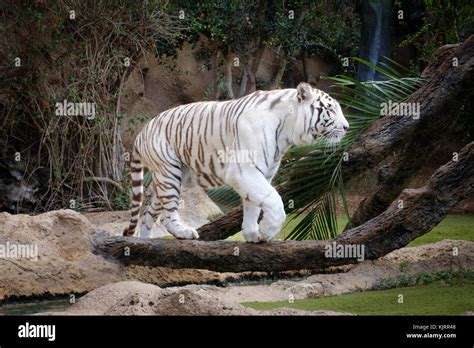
(51, 254)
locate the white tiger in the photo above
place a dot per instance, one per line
(188, 143)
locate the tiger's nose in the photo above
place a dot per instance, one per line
(345, 124)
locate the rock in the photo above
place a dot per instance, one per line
(65, 263)
(165, 277)
(195, 209)
(136, 298)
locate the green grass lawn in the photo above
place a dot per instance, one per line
(433, 299)
(454, 226)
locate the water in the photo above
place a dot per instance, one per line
(33, 307)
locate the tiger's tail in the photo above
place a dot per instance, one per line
(136, 168)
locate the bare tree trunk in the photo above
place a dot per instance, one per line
(252, 70)
(388, 134)
(391, 230)
(440, 98)
(244, 81)
(253, 82)
(228, 76)
(304, 61)
(215, 76)
(308, 77)
(279, 74)
(284, 60)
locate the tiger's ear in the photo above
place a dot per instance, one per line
(304, 91)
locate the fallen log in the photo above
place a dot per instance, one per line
(396, 227)
(389, 133)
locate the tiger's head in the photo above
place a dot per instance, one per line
(318, 115)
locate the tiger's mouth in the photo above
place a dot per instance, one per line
(334, 136)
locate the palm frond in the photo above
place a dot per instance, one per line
(225, 197)
(314, 174)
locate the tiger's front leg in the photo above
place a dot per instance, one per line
(256, 193)
(250, 222)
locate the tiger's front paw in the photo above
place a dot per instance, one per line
(252, 236)
(271, 223)
(191, 233)
(268, 231)
(184, 232)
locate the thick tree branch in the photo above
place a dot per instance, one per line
(422, 209)
(391, 230)
(228, 74)
(223, 227)
(445, 84)
(446, 90)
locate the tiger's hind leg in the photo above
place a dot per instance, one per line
(168, 189)
(149, 218)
